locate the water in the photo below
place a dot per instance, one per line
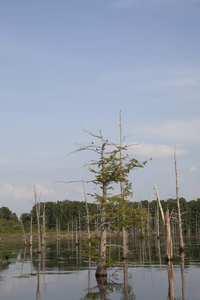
(62, 273)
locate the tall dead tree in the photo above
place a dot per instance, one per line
(87, 214)
(124, 231)
(181, 243)
(24, 234)
(31, 232)
(43, 226)
(166, 222)
(37, 206)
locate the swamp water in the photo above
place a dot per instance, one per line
(60, 272)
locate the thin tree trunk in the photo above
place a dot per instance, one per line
(37, 205)
(87, 214)
(182, 246)
(169, 254)
(25, 242)
(72, 230)
(148, 223)
(157, 222)
(76, 233)
(79, 225)
(124, 232)
(31, 231)
(57, 229)
(43, 226)
(166, 222)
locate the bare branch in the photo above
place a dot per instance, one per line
(158, 198)
(73, 181)
(94, 135)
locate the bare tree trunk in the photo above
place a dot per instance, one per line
(68, 230)
(157, 222)
(148, 223)
(124, 232)
(87, 214)
(37, 205)
(72, 230)
(25, 242)
(57, 229)
(166, 222)
(169, 254)
(76, 233)
(43, 226)
(31, 231)
(79, 225)
(182, 246)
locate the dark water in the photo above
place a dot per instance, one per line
(60, 272)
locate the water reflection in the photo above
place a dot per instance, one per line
(38, 277)
(183, 275)
(25, 267)
(170, 281)
(105, 287)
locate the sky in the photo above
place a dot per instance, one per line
(71, 66)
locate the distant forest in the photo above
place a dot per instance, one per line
(70, 213)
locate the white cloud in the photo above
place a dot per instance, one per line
(22, 192)
(179, 131)
(155, 150)
(15, 192)
(193, 169)
(20, 199)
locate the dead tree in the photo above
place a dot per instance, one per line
(124, 231)
(37, 206)
(166, 222)
(24, 234)
(87, 214)
(181, 243)
(43, 226)
(31, 232)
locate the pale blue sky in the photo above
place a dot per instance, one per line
(73, 65)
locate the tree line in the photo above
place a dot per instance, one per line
(67, 212)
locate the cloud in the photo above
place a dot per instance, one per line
(14, 192)
(193, 169)
(155, 150)
(22, 192)
(179, 131)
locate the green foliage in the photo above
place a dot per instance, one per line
(6, 214)
(10, 226)
(66, 212)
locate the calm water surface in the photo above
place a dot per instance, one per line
(62, 273)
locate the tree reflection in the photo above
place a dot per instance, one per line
(127, 289)
(182, 275)
(106, 287)
(170, 281)
(38, 277)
